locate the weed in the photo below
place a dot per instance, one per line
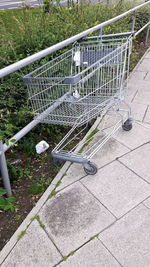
(65, 174)
(70, 254)
(7, 203)
(89, 138)
(58, 183)
(15, 171)
(21, 235)
(39, 186)
(54, 192)
(37, 217)
(94, 236)
(18, 218)
(56, 168)
(65, 258)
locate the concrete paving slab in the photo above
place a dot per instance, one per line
(129, 97)
(142, 97)
(144, 66)
(93, 254)
(147, 77)
(147, 125)
(138, 111)
(109, 152)
(137, 76)
(147, 117)
(129, 238)
(73, 217)
(139, 161)
(108, 121)
(147, 203)
(33, 249)
(139, 85)
(74, 173)
(136, 137)
(147, 55)
(113, 178)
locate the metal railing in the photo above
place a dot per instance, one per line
(24, 62)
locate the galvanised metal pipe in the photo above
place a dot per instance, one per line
(4, 170)
(24, 62)
(147, 33)
(133, 20)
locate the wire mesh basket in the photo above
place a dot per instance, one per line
(77, 85)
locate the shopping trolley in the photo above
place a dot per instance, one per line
(81, 84)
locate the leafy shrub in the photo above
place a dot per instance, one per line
(24, 32)
(39, 186)
(7, 203)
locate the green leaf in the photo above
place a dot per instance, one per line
(2, 133)
(2, 192)
(8, 207)
(13, 140)
(2, 203)
(36, 189)
(11, 199)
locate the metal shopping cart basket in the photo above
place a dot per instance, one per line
(87, 81)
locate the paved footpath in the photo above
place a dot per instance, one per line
(101, 220)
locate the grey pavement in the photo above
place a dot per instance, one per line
(100, 220)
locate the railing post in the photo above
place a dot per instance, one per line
(133, 21)
(101, 32)
(4, 170)
(147, 33)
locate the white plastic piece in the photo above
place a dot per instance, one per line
(76, 94)
(41, 147)
(77, 58)
(85, 63)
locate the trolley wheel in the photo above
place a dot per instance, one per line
(127, 126)
(90, 168)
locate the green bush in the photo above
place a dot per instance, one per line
(27, 31)
(7, 203)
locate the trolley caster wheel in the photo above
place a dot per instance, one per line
(90, 168)
(127, 126)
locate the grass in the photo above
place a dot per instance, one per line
(88, 139)
(70, 254)
(54, 192)
(39, 186)
(21, 235)
(37, 217)
(91, 135)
